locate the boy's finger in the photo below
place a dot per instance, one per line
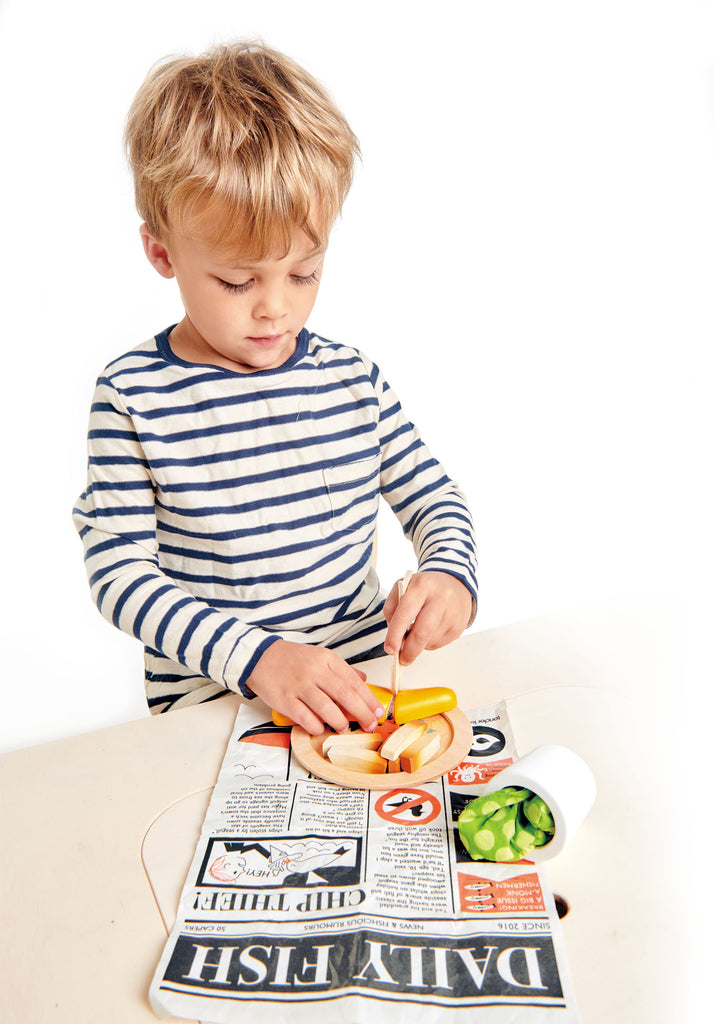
(422, 633)
(365, 708)
(363, 690)
(366, 718)
(304, 716)
(404, 615)
(356, 699)
(329, 712)
(391, 603)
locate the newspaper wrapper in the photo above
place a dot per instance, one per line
(563, 780)
(310, 902)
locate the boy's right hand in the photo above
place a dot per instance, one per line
(314, 687)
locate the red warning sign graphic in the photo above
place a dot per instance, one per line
(408, 806)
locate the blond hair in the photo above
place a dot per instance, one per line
(241, 145)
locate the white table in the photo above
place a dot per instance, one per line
(81, 930)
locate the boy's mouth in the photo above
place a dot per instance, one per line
(267, 339)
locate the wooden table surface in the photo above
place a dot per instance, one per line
(82, 932)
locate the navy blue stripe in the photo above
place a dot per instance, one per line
(212, 696)
(408, 478)
(245, 398)
(352, 504)
(248, 581)
(252, 662)
(102, 593)
(96, 407)
(105, 545)
(227, 535)
(389, 412)
(210, 645)
(109, 569)
(122, 510)
(418, 495)
(148, 353)
(165, 677)
(164, 624)
(448, 529)
(283, 551)
(266, 449)
(147, 605)
(118, 485)
(230, 428)
(440, 550)
(445, 502)
(114, 380)
(280, 621)
(106, 434)
(402, 454)
(369, 632)
(265, 529)
(117, 460)
(452, 535)
(155, 701)
(126, 594)
(248, 506)
(206, 375)
(193, 625)
(389, 439)
(269, 554)
(284, 472)
(172, 699)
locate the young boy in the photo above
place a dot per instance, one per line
(236, 460)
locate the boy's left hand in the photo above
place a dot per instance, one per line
(436, 609)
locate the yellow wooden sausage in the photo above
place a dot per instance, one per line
(429, 700)
(384, 697)
(408, 704)
(281, 720)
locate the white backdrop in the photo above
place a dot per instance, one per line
(527, 251)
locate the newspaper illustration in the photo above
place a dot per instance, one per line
(312, 901)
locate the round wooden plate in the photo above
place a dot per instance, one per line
(456, 736)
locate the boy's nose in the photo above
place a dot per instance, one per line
(270, 305)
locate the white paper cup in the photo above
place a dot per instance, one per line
(563, 780)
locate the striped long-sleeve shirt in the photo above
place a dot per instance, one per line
(224, 510)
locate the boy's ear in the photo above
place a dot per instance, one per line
(156, 252)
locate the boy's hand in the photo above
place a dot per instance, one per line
(436, 609)
(315, 687)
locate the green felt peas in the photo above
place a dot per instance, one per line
(506, 825)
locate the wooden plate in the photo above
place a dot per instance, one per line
(456, 737)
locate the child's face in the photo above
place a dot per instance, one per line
(239, 314)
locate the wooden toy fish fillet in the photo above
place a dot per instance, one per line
(352, 741)
(420, 752)
(399, 741)
(357, 760)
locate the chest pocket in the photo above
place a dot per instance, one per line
(353, 492)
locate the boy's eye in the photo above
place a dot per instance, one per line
(234, 288)
(309, 279)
